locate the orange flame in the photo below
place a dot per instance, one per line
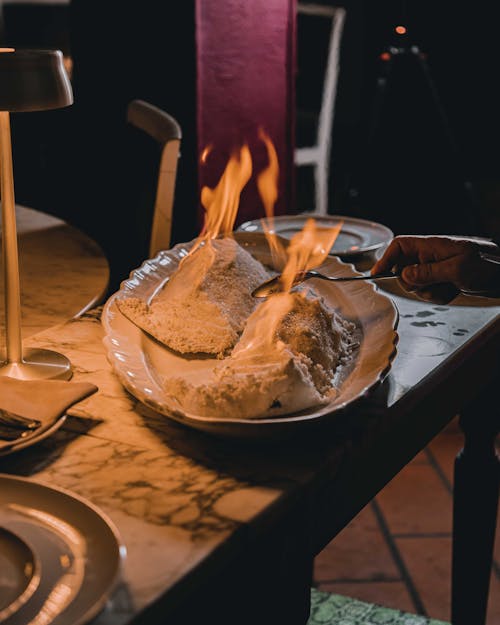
(221, 203)
(307, 249)
(267, 185)
(204, 154)
(267, 180)
(260, 331)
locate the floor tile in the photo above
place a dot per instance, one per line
(416, 502)
(389, 594)
(417, 507)
(444, 449)
(429, 562)
(359, 552)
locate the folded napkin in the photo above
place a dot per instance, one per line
(45, 400)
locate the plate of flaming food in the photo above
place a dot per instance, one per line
(187, 338)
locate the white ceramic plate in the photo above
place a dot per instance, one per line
(79, 550)
(141, 362)
(358, 236)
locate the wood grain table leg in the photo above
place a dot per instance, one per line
(477, 478)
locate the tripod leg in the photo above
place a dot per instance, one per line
(471, 217)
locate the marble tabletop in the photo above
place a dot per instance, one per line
(62, 271)
(180, 497)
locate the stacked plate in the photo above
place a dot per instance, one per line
(357, 236)
(60, 557)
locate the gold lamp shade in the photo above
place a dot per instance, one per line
(33, 80)
(30, 80)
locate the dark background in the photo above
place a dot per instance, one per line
(415, 139)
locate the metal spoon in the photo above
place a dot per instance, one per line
(275, 286)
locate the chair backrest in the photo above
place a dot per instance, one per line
(165, 130)
(317, 153)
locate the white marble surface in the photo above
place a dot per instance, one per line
(175, 495)
(62, 272)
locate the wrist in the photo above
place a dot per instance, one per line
(488, 276)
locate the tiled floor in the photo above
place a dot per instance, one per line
(397, 551)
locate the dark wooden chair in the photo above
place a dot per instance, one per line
(165, 130)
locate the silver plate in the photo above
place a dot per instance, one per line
(79, 550)
(19, 573)
(358, 236)
(140, 362)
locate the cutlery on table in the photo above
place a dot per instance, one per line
(12, 420)
(274, 285)
(14, 427)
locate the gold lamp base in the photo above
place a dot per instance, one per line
(38, 364)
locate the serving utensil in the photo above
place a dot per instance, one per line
(14, 428)
(272, 286)
(16, 421)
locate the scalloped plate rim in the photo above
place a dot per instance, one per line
(154, 270)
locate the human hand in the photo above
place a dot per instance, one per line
(438, 268)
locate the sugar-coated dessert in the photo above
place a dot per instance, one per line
(205, 304)
(276, 367)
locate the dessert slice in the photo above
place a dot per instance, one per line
(285, 361)
(205, 304)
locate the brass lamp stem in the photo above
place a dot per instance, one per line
(9, 245)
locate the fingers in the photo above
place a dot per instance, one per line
(437, 268)
(408, 250)
(391, 257)
(403, 250)
(424, 274)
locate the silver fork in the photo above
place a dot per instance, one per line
(18, 422)
(269, 287)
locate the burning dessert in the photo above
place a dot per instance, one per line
(285, 361)
(205, 305)
(269, 358)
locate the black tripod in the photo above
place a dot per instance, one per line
(411, 175)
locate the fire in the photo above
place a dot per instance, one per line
(261, 329)
(204, 154)
(221, 203)
(308, 249)
(267, 180)
(267, 185)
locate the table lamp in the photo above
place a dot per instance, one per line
(30, 80)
